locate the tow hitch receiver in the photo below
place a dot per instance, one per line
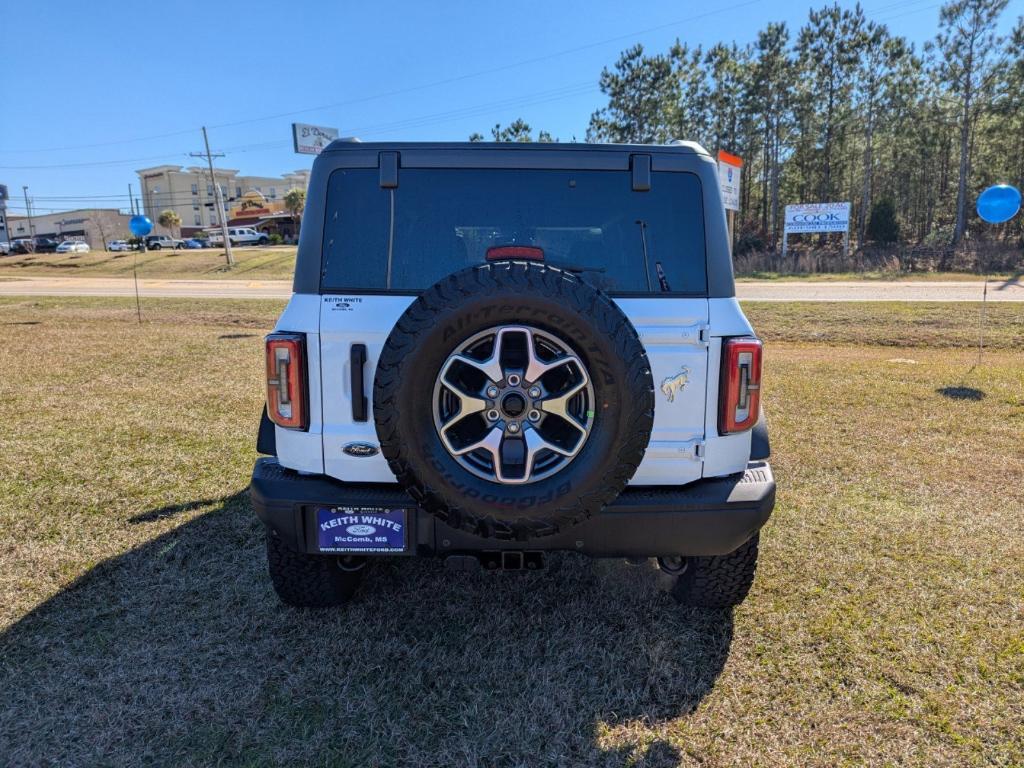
(509, 560)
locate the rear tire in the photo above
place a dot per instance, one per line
(309, 581)
(718, 581)
(155, 247)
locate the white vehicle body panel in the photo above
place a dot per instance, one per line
(682, 338)
(344, 321)
(674, 335)
(724, 454)
(299, 450)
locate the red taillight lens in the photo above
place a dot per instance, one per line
(286, 380)
(739, 390)
(527, 252)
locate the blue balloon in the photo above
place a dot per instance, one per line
(140, 226)
(999, 203)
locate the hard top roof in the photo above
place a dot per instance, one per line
(677, 147)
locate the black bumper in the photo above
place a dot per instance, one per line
(708, 517)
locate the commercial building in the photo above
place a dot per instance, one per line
(95, 226)
(248, 200)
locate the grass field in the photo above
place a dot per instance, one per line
(137, 624)
(870, 275)
(278, 263)
(274, 263)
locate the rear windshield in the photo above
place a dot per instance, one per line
(438, 221)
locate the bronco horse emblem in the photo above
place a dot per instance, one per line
(674, 384)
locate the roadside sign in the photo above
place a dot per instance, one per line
(311, 139)
(817, 217)
(3, 193)
(729, 167)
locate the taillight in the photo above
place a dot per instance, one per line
(739, 392)
(525, 252)
(286, 380)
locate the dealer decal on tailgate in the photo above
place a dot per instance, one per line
(361, 529)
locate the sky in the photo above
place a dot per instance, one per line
(91, 92)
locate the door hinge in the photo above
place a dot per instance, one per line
(697, 335)
(676, 449)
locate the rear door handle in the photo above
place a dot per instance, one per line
(357, 360)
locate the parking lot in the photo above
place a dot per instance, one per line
(137, 624)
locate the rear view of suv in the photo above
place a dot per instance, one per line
(494, 351)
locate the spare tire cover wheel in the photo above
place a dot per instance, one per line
(513, 400)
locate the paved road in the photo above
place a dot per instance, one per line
(280, 289)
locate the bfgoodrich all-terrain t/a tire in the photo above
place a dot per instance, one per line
(309, 581)
(718, 581)
(537, 303)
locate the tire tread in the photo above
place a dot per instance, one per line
(308, 581)
(718, 581)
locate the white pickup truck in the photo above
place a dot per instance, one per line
(240, 236)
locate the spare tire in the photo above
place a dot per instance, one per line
(513, 400)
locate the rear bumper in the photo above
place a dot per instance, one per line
(709, 517)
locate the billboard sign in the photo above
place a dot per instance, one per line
(311, 139)
(729, 167)
(817, 217)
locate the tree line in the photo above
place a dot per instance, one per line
(841, 109)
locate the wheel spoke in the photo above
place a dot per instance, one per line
(469, 402)
(558, 406)
(536, 367)
(490, 367)
(491, 443)
(535, 443)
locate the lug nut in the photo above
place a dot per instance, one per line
(534, 391)
(513, 427)
(492, 391)
(492, 415)
(514, 379)
(533, 415)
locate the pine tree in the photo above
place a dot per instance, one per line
(968, 47)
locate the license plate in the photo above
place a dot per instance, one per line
(361, 529)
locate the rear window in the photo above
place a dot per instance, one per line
(438, 221)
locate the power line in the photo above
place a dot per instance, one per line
(492, 70)
(411, 89)
(88, 164)
(390, 127)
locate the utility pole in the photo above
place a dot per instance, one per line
(28, 212)
(131, 200)
(218, 201)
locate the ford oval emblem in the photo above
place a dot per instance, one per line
(361, 530)
(361, 450)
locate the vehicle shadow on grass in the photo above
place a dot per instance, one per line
(178, 652)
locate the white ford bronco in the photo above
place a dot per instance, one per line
(494, 351)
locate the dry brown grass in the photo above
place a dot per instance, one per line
(137, 623)
(276, 263)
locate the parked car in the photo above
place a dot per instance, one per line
(5, 248)
(73, 246)
(240, 236)
(46, 245)
(158, 242)
(23, 245)
(191, 243)
(118, 245)
(517, 351)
